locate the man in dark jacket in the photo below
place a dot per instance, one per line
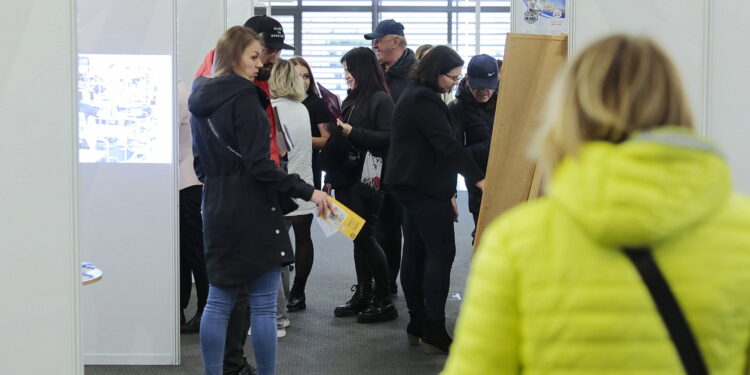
(397, 61)
(389, 43)
(474, 111)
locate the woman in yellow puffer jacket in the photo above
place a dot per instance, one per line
(550, 290)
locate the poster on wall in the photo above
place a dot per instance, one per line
(125, 108)
(541, 17)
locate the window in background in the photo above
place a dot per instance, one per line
(421, 28)
(493, 27)
(287, 22)
(326, 29)
(326, 37)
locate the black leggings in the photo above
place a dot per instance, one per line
(369, 259)
(303, 250)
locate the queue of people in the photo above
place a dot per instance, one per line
(263, 133)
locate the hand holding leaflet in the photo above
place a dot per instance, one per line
(341, 219)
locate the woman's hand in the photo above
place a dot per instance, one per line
(324, 205)
(454, 203)
(345, 128)
(480, 184)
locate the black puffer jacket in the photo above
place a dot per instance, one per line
(398, 77)
(475, 120)
(243, 230)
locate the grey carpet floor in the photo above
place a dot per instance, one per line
(319, 344)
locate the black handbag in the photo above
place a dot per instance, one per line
(669, 309)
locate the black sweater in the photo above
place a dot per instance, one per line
(426, 153)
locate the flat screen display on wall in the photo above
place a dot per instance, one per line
(125, 108)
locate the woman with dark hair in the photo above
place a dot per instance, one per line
(363, 133)
(424, 160)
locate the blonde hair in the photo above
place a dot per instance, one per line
(615, 87)
(422, 50)
(285, 82)
(230, 47)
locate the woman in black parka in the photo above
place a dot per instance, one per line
(365, 127)
(424, 160)
(245, 196)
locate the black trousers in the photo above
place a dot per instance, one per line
(389, 234)
(369, 259)
(192, 258)
(239, 324)
(429, 251)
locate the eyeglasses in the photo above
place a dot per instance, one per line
(455, 79)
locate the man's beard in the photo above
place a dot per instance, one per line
(264, 73)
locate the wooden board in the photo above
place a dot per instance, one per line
(530, 66)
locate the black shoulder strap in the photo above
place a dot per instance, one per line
(669, 309)
(221, 140)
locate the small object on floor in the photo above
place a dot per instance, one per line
(193, 325)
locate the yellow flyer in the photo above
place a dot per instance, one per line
(342, 219)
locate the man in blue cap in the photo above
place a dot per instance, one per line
(397, 61)
(474, 110)
(389, 44)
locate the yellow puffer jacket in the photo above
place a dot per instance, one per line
(550, 292)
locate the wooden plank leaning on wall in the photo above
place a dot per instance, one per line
(530, 66)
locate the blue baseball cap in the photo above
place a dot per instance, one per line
(386, 27)
(482, 72)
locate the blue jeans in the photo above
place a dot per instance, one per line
(262, 294)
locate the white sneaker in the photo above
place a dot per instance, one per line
(285, 323)
(280, 331)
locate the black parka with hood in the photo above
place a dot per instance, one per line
(244, 192)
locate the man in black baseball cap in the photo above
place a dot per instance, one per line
(273, 42)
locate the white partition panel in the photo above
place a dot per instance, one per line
(199, 26)
(679, 26)
(128, 193)
(40, 270)
(729, 86)
(701, 36)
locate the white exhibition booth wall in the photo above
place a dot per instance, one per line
(127, 181)
(128, 200)
(702, 37)
(39, 272)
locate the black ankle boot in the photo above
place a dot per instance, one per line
(296, 300)
(436, 339)
(380, 310)
(415, 329)
(359, 302)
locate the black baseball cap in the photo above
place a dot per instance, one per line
(273, 33)
(386, 27)
(482, 72)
